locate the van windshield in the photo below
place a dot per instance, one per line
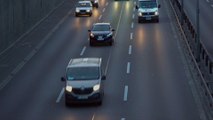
(147, 4)
(83, 73)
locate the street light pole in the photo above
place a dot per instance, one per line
(198, 32)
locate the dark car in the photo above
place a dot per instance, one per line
(101, 33)
(95, 3)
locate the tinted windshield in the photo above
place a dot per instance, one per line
(101, 28)
(147, 4)
(83, 73)
(83, 5)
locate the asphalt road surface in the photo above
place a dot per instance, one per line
(146, 75)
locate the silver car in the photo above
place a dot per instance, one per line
(84, 81)
(83, 8)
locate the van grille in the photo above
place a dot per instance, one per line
(82, 91)
(149, 13)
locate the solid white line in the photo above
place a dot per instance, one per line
(100, 17)
(130, 49)
(128, 68)
(103, 10)
(131, 36)
(132, 25)
(125, 93)
(82, 51)
(60, 95)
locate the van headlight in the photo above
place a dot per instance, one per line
(88, 10)
(139, 14)
(77, 10)
(96, 87)
(69, 88)
(91, 35)
(96, 1)
(156, 13)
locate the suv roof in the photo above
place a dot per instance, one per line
(84, 62)
(86, 1)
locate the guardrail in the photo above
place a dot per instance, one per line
(204, 66)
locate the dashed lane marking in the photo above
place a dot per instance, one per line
(130, 50)
(82, 51)
(128, 68)
(60, 95)
(125, 93)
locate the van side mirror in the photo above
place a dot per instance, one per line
(136, 7)
(89, 30)
(113, 29)
(103, 77)
(63, 79)
(159, 6)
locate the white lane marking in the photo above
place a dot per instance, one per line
(60, 95)
(131, 36)
(103, 10)
(100, 17)
(107, 4)
(82, 51)
(130, 49)
(125, 93)
(123, 118)
(132, 25)
(133, 16)
(128, 67)
(93, 117)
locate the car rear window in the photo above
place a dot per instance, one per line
(101, 28)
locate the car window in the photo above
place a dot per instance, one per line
(83, 73)
(83, 5)
(147, 4)
(101, 28)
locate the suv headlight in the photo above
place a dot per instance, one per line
(69, 88)
(88, 10)
(77, 10)
(96, 87)
(91, 35)
(140, 13)
(110, 34)
(156, 13)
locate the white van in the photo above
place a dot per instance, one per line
(148, 10)
(84, 81)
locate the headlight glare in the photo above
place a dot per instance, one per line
(140, 14)
(77, 10)
(156, 13)
(96, 87)
(91, 35)
(88, 10)
(69, 88)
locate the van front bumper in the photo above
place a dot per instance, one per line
(73, 99)
(148, 18)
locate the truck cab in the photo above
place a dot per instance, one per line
(148, 10)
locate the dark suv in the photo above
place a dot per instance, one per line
(101, 33)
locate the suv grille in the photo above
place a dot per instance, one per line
(82, 91)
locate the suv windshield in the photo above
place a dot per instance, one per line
(147, 4)
(83, 5)
(101, 28)
(83, 73)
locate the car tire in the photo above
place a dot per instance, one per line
(139, 21)
(157, 20)
(97, 6)
(76, 15)
(91, 44)
(99, 102)
(110, 43)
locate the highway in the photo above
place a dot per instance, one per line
(206, 18)
(146, 76)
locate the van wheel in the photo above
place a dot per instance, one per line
(99, 102)
(157, 20)
(139, 21)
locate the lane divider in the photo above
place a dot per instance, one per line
(60, 95)
(83, 50)
(128, 67)
(133, 16)
(125, 93)
(130, 50)
(132, 25)
(103, 10)
(131, 36)
(100, 17)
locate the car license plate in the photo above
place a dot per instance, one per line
(148, 18)
(82, 97)
(100, 38)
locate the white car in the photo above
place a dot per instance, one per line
(83, 8)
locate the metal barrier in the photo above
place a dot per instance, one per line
(17, 17)
(204, 66)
